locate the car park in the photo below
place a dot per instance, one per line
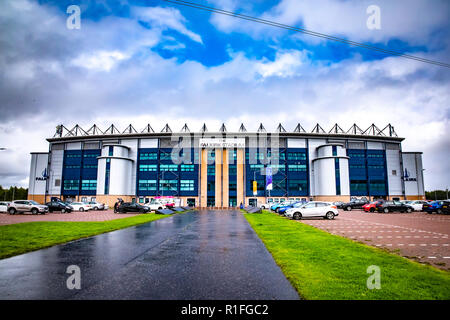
(59, 206)
(22, 206)
(4, 206)
(354, 204)
(394, 206)
(313, 209)
(80, 206)
(132, 207)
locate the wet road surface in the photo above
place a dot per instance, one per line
(197, 255)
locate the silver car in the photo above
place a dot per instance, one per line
(21, 206)
(4, 206)
(313, 209)
(96, 205)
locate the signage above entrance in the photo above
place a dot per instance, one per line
(222, 143)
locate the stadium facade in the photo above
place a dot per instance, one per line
(225, 168)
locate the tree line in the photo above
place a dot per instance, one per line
(437, 195)
(13, 193)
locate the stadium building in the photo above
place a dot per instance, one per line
(225, 168)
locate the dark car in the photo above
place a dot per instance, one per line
(354, 204)
(132, 207)
(446, 207)
(393, 206)
(339, 204)
(59, 206)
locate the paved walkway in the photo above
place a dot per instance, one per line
(197, 255)
(103, 215)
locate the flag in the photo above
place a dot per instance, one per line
(269, 184)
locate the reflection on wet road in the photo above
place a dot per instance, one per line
(197, 255)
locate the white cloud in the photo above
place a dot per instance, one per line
(284, 65)
(100, 60)
(409, 20)
(165, 18)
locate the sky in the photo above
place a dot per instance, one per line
(155, 62)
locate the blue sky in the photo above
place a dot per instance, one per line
(215, 43)
(154, 62)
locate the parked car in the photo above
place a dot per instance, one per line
(59, 206)
(372, 206)
(170, 204)
(167, 202)
(155, 204)
(4, 206)
(313, 209)
(283, 209)
(434, 206)
(446, 207)
(339, 204)
(295, 205)
(22, 206)
(80, 206)
(132, 207)
(96, 205)
(277, 205)
(417, 204)
(265, 205)
(354, 204)
(393, 206)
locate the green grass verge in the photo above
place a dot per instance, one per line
(323, 266)
(24, 237)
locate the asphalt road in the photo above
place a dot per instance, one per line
(197, 255)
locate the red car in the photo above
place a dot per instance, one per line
(372, 207)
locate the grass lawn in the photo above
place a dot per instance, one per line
(24, 237)
(324, 266)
